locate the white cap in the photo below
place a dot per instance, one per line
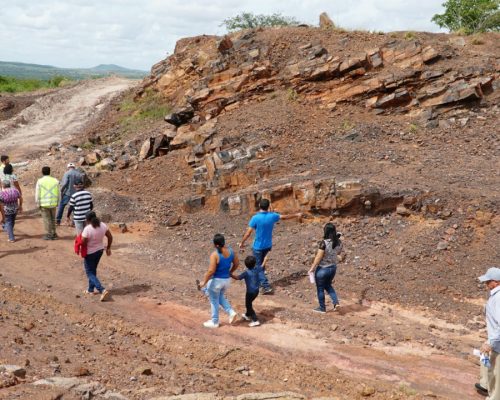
(71, 165)
(493, 274)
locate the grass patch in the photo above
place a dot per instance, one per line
(413, 128)
(410, 35)
(152, 106)
(476, 41)
(16, 85)
(347, 125)
(291, 94)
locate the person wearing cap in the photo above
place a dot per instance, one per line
(492, 345)
(67, 189)
(80, 203)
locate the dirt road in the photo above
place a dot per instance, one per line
(58, 116)
(154, 319)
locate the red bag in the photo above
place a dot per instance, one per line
(80, 247)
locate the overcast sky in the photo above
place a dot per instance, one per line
(138, 33)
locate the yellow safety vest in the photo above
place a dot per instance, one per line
(48, 192)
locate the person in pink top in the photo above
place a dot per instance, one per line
(93, 237)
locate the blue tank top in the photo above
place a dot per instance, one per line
(224, 265)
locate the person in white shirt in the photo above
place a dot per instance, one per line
(492, 345)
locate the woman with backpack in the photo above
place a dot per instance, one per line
(324, 267)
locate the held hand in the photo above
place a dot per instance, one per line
(242, 246)
(486, 348)
(108, 252)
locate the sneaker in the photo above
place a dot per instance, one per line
(46, 237)
(481, 390)
(104, 295)
(336, 307)
(268, 291)
(254, 323)
(210, 324)
(232, 317)
(319, 310)
(244, 316)
(11, 241)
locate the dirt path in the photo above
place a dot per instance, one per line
(143, 297)
(58, 116)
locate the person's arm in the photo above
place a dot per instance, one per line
(236, 263)
(110, 241)
(247, 234)
(238, 277)
(291, 216)
(20, 202)
(18, 187)
(71, 208)
(64, 182)
(318, 258)
(211, 270)
(37, 194)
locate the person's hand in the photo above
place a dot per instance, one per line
(242, 246)
(486, 348)
(108, 252)
(311, 270)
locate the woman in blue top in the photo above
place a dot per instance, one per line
(223, 262)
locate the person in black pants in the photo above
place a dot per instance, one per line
(324, 267)
(251, 277)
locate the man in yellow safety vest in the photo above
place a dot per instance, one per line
(47, 198)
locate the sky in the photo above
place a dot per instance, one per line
(138, 33)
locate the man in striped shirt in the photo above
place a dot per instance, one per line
(80, 203)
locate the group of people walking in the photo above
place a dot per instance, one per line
(51, 197)
(224, 262)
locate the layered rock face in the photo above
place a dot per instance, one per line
(209, 76)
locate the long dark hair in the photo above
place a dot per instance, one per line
(92, 219)
(219, 242)
(330, 233)
(8, 169)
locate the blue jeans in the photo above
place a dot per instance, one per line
(216, 290)
(10, 221)
(259, 257)
(60, 210)
(90, 263)
(324, 278)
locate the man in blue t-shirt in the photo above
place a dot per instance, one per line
(262, 224)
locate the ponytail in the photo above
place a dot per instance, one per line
(92, 219)
(330, 233)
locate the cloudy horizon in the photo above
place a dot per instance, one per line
(83, 34)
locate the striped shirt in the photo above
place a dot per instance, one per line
(82, 203)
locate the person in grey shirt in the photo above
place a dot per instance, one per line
(492, 346)
(67, 189)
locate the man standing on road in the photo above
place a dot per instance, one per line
(492, 346)
(47, 198)
(80, 203)
(67, 189)
(262, 224)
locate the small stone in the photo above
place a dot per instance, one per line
(81, 371)
(15, 370)
(402, 210)
(442, 245)
(143, 371)
(368, 391)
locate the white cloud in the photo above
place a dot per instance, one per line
(84, 33)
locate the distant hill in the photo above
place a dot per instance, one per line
(36, 71)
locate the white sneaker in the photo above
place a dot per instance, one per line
(232, 317)
(210, 324)
(244, 316)
(254, 323)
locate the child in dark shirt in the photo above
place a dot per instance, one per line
(251, 277)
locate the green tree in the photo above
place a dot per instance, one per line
(248, 20)
(470, 16)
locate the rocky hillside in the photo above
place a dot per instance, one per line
(322, 120)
